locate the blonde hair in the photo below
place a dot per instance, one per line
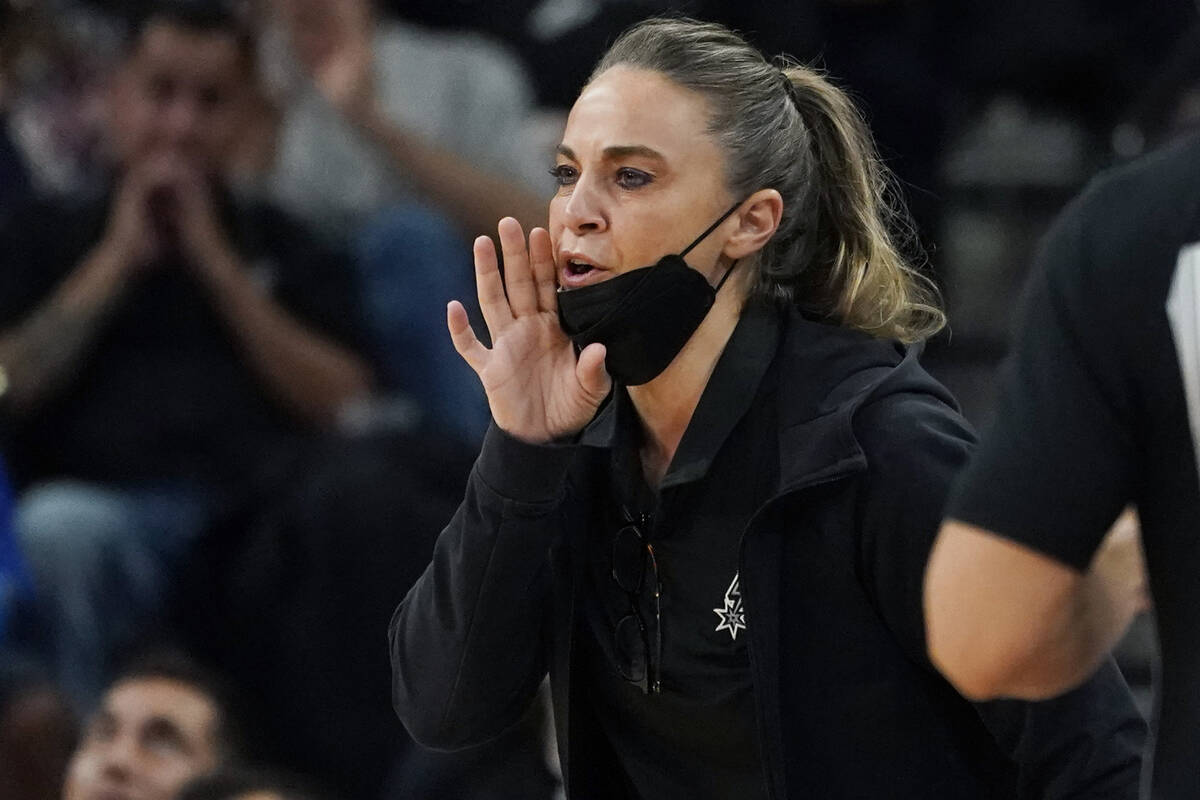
(838, 251)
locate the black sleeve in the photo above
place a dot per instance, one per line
(38, 249)
(1086, 744)
(915, 446)
(468, 643)
(316, 279)
(1055, 467)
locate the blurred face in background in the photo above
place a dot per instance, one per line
(181, 92)
(149, 738)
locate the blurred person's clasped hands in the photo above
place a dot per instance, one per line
(164, 206)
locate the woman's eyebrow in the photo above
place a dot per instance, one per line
(617, 151)
(626, 150)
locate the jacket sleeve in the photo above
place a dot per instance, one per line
(468, 642)
(1084, 744)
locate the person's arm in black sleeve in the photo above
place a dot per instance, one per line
(318, 284)
(1086, 744)
(468, 640)
(56, 300)
(1019, 603)
(310, 376)
(468, 643)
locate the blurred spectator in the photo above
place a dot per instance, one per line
(55, 56)
(162, 723)
(37, 732)
(377, 112)
(559, 40)
(246, 786)
(159, 344)
(290, 600)
(408, 142)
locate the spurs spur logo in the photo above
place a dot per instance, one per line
(733, 618)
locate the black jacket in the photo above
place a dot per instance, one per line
(831, 569)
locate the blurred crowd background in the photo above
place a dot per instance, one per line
(165, 487)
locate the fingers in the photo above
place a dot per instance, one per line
(541, 255)
(141, 179)
(464, 339)
(518, 275)
(489, 287)
(590, 372)
(162, 169)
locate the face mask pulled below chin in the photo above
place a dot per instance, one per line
(643, 317)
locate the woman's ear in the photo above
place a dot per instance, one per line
(757, 220)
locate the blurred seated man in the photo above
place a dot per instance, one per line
(378, 112)
(161, 724)
(408, 142)
(38, 731)
(159, 345)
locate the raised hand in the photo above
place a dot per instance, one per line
(166, 204)
(537, 389)
(333, 39)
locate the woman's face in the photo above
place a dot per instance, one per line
(639, 177)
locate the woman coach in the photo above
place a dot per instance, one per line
(715, 471)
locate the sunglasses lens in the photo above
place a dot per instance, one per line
(629, 559)
(631, 649)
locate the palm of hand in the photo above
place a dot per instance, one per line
(537, 389)
(530, 380)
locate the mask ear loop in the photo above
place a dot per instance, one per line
(702, 236)
(725, 277)
(711, 228)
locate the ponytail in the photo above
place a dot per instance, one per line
(860, 276)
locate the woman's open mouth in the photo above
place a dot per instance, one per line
(576, 272)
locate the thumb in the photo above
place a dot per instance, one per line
(590, 372)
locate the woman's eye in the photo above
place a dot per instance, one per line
(628, 178)
(564, 175)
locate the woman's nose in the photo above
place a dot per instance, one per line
(584, 209)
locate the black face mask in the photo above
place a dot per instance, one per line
(643, 317)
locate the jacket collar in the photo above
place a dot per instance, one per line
(729, 394)
(826, 374)
(829, 374)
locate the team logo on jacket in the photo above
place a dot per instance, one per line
(733, 618)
